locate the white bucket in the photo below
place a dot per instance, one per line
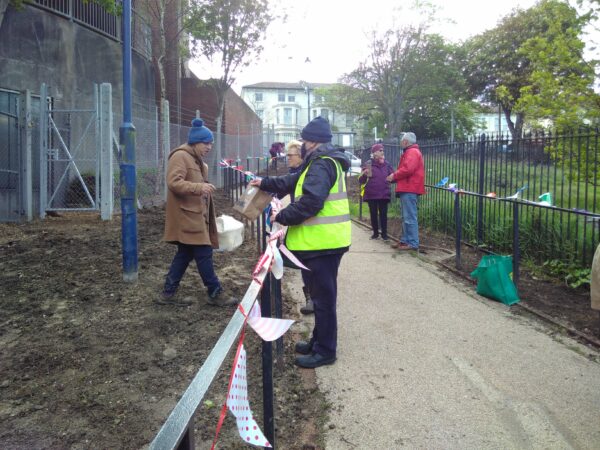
(231, 233)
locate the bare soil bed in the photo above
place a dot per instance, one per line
(88, 361)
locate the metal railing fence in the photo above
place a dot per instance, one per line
(178, 430)
(565, 165)
(94, 16)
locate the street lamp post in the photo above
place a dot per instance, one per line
(127, 165)
(308, 101)
(306, 87)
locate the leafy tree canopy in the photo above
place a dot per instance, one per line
(228, 32)
(410, 81)
(532, 65)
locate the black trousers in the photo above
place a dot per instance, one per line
(323, 291)
(378, 210)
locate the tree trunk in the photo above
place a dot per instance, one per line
(3, 6)
(509, 122)
(163, 92)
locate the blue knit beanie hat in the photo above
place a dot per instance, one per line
(317, 130)
(199, 133)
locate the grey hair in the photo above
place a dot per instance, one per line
(410, 137)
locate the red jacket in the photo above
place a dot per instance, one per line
(410, 174)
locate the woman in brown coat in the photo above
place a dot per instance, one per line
(190, 221)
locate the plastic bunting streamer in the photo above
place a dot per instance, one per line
(442, 182)
(237, 391)
(544, 200)
(278, 233)
(515, 196)
(238, 404)
(228, 164)
(267, 328)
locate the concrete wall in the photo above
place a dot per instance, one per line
(37, 46)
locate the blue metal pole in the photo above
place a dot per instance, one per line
(127, 166)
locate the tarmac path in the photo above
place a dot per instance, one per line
(425, 363)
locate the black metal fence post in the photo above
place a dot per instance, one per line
(278, 315)
(188, 440)
(267, 351)
(458, 225)
(241, 177)
(480, 189)
(516, 248)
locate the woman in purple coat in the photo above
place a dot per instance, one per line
(377, 190)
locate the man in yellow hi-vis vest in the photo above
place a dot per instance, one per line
(318, 233)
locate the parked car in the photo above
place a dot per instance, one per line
(355, 164)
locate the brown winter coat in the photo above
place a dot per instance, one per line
(190, 217)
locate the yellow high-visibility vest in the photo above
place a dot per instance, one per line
(330, 228)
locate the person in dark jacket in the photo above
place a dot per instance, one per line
(318, 232)
(410, 183)
(274, 151)
(377, 190)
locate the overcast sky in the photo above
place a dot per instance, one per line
(323, 39)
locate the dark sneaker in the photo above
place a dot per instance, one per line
(385, 238)
(374, 236)
(314, 360)
(215, 293)
(169, 298)
(215, 298)
(303, 347)
(309, 308)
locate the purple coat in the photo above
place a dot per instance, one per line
(377, 188)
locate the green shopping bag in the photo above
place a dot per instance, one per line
(494, 279)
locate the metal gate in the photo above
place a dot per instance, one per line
(69, 157)
(10, 160)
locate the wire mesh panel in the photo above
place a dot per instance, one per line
(10, 166)
(72, 160)
(149, 157)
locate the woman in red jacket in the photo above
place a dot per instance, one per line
(410, 183)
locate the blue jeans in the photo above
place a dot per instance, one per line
(185, 253)
(410, 225)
